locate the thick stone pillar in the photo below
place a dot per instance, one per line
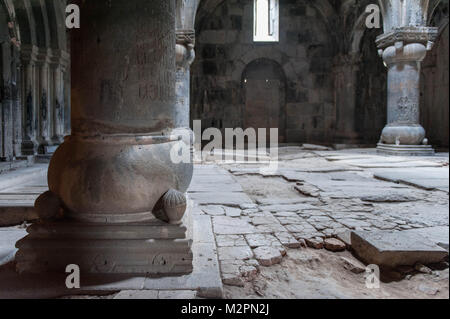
(403, 47)
(117, 199)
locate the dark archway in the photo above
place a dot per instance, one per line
(264, 97)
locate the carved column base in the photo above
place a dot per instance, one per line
(153, 248)
(405, 150)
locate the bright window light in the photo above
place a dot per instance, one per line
(266, 21)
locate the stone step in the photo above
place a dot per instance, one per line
(392, 249)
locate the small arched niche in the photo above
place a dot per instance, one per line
(264, 97)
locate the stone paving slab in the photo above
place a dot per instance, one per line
(426, 178)
(227, 199)
(393, 249)
(438, 235)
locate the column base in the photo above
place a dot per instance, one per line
(153, 248)
(405, 150)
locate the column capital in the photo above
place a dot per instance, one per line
(185, 53)
(43, 56)
(59, 58)
(423, 35)
(185, 37)
(28, 53)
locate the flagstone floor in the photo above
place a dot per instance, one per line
(269, 226)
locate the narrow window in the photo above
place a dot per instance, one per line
(266, 21)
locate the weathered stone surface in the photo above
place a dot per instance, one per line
(213, 210)
(288, 240)
(287, 207)
(235, 253)
(137, 294)
(334, 244)
(232, 212)
(230, 240)
(268, 256)
(346, 237)
(237, 272)
(261, 240)
(316, 243)
(231, 226)
(438, 235)
(353, 265)
(391, 249)
(177, 294)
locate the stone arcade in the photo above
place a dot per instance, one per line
(362, 116)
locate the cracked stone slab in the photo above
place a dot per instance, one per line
(438, 235)
(235, 253)
(288, 240)
(213, 210)
(392, 249)
(224, 225)
(226, 199)
(232, 212)
(230, 240)
(237, 272)
(288, 207)
(426, 178)
(268, 256)
(262, 240)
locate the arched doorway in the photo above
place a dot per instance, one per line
(264, 93)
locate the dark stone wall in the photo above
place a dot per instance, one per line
(305, 54)
(371, 91)
(434, 92)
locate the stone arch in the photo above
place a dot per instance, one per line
(263, 89)
(25, 19)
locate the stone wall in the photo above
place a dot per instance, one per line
(371, 91)
(304, 53)
(435, 84)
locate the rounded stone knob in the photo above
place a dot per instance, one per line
(48, 205)
(175, 204)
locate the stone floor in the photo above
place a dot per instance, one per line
(301, 216)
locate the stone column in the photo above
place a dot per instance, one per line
(29, 108)
(185, 55)
(6, 105)
(117, 198)
(403, 47)
(43, 112)
(58, 65)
